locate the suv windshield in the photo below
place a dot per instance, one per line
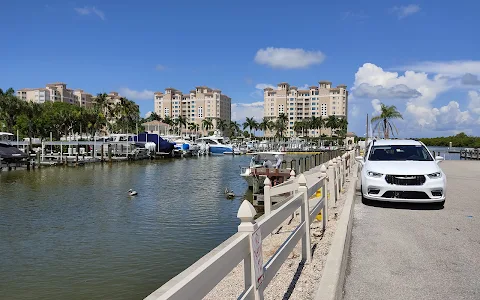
(399, 152)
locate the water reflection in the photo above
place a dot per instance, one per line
(75, 233)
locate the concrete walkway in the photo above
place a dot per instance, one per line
(419, 251)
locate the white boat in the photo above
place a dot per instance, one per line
(267, 160)
(216, 144)
(182, 144)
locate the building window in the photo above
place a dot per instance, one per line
(200, 112)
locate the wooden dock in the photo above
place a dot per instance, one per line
(470, 154)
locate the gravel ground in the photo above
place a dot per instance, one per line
(294, 279)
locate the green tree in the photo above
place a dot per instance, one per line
(234, 128)
(251, 124)
(385, 120)
(332, 123)
(222, 125)
(265, 125)
(10, 108)
(281, 125)
(207, 123)
(181, 122)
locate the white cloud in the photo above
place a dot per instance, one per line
(288, 58)
(137, 95)
(83, 11)
(262, 86)
(387, 84)
(470, 79)
(405, 11)
(160, 67)
(354, 110)
(396, 91)
(304, 87)
(474, 101)
(148, 114)
(419, 92)
(377, 107)
(240, 111)
(446, 118)
(451, 68)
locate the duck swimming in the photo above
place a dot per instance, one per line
(132, 192)
(229, 194)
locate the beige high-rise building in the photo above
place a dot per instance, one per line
(195, 106)
(299, 104)
(56, 92)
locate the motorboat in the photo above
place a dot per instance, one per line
(216, 144)
(264, 164)
(9, 154)
(183, 144)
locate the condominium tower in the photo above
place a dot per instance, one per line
(299, 104)
(56, 92)
(195, 106)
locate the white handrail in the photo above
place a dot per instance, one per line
(199, 279)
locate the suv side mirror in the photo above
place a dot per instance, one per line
(439, 158)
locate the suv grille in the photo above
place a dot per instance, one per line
(405, 195)
(405, 179)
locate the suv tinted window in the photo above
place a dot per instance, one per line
(399, 153)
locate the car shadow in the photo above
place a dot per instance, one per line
(404, 205)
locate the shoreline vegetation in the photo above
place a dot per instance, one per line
(460, 140)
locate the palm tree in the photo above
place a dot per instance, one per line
(384, 120)
(181, 121)
(251, 124)
(221, 125)
(154, 117)
(281, 124)
(298, 127)
(332, 123)
(207, 123)
(193, 127)
(167, 120)
(234, 128)
(320, 124)
(265, 125)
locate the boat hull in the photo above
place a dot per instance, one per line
(219, 150)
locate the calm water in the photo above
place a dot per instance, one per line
(444, 152)
(73, 233)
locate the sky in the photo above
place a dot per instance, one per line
(423, 56)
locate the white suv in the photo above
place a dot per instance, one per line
(401, 171)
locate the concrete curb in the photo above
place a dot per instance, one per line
(333, 277)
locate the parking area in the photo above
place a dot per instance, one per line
(407, 251)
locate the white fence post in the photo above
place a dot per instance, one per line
(331, 182)
(306, 244)
(344, 170)
(339, 178)
(335, 179)
(246, 214)
(267, 201)
(323, 173)
(295, 186)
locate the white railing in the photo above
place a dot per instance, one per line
(246, 245)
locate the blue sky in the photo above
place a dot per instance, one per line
(137, 47)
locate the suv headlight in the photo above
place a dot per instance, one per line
(435, 175)
(374, 174)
